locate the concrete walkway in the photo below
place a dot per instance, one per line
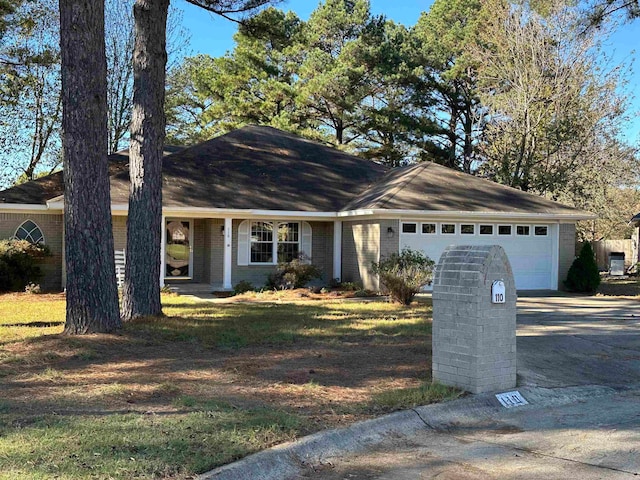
(579, 368)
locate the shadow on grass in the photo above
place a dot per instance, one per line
(206, 384)
(34, 324)
(198, 337)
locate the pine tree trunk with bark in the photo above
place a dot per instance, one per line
(141, 295)
(92, 295)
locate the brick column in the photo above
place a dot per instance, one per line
(474, 340)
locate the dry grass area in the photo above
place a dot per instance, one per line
(208, 384)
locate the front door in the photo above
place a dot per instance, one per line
(178, 250)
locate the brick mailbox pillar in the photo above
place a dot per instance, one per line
(474, 332)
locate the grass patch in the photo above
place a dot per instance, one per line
(240, 325)
(414, 397)
(203, 386)
(137, 445)
(31, 316)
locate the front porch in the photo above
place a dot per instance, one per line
(206, 255)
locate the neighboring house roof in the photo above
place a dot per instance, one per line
(265, 168)
(635, 221)
(429, 186)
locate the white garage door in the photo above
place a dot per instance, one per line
(530, 247)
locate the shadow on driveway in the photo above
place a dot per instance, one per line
(566, 341)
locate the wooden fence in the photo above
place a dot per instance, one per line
(603, 248)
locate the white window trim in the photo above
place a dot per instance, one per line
(543, 226)
(191, 223)
(455, 228)
(435, 231)
(15, 234)
(274, 248)
(504, 234)
(523, 235)
(475, 230)
(493, 229)
(402, 224)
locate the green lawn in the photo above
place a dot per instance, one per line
(206, 385)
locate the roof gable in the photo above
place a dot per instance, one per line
(260, 167)
(269, 169)
(432, 187)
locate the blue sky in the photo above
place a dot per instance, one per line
(214, 36)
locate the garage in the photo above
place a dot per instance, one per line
(531, 247)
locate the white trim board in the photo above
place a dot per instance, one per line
(200, 212)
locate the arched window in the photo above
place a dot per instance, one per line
(30, 232)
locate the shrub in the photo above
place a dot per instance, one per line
(32, 288)
(349, 286)
(363, 292)
(18, 264)
(404, 274)
(294, 274)
(583, 275)
(243, 286)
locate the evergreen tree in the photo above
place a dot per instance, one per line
(583, 274)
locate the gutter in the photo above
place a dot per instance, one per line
(57, 206)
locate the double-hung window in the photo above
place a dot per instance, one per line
(274, 240)
(288, 241)
(261, 242)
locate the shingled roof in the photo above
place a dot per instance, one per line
(40, 190)
(268, 169)
(432, 187)
(260, 168)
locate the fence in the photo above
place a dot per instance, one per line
(603, 248)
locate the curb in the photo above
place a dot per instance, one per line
(289, 460)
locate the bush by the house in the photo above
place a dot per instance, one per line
(583, 275)
(243, 286)
(294, 274)
(404, 274)
(18, 264)
(349, 286)
(32, 288)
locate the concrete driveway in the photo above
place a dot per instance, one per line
(565, 341)
(579, 368)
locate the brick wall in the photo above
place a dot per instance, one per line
(200, 256)
(322, 256)
(216, 251)
(119, 232)
(51, 226)
(361, 245)
(566, 251)
(389, 242)
(322, 245)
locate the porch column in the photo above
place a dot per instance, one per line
(226, 267)
(337, 250)
(163, 244)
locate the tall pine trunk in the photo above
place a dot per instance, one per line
(92, 295)
(141, 296)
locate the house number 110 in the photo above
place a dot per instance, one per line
(498, 292)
